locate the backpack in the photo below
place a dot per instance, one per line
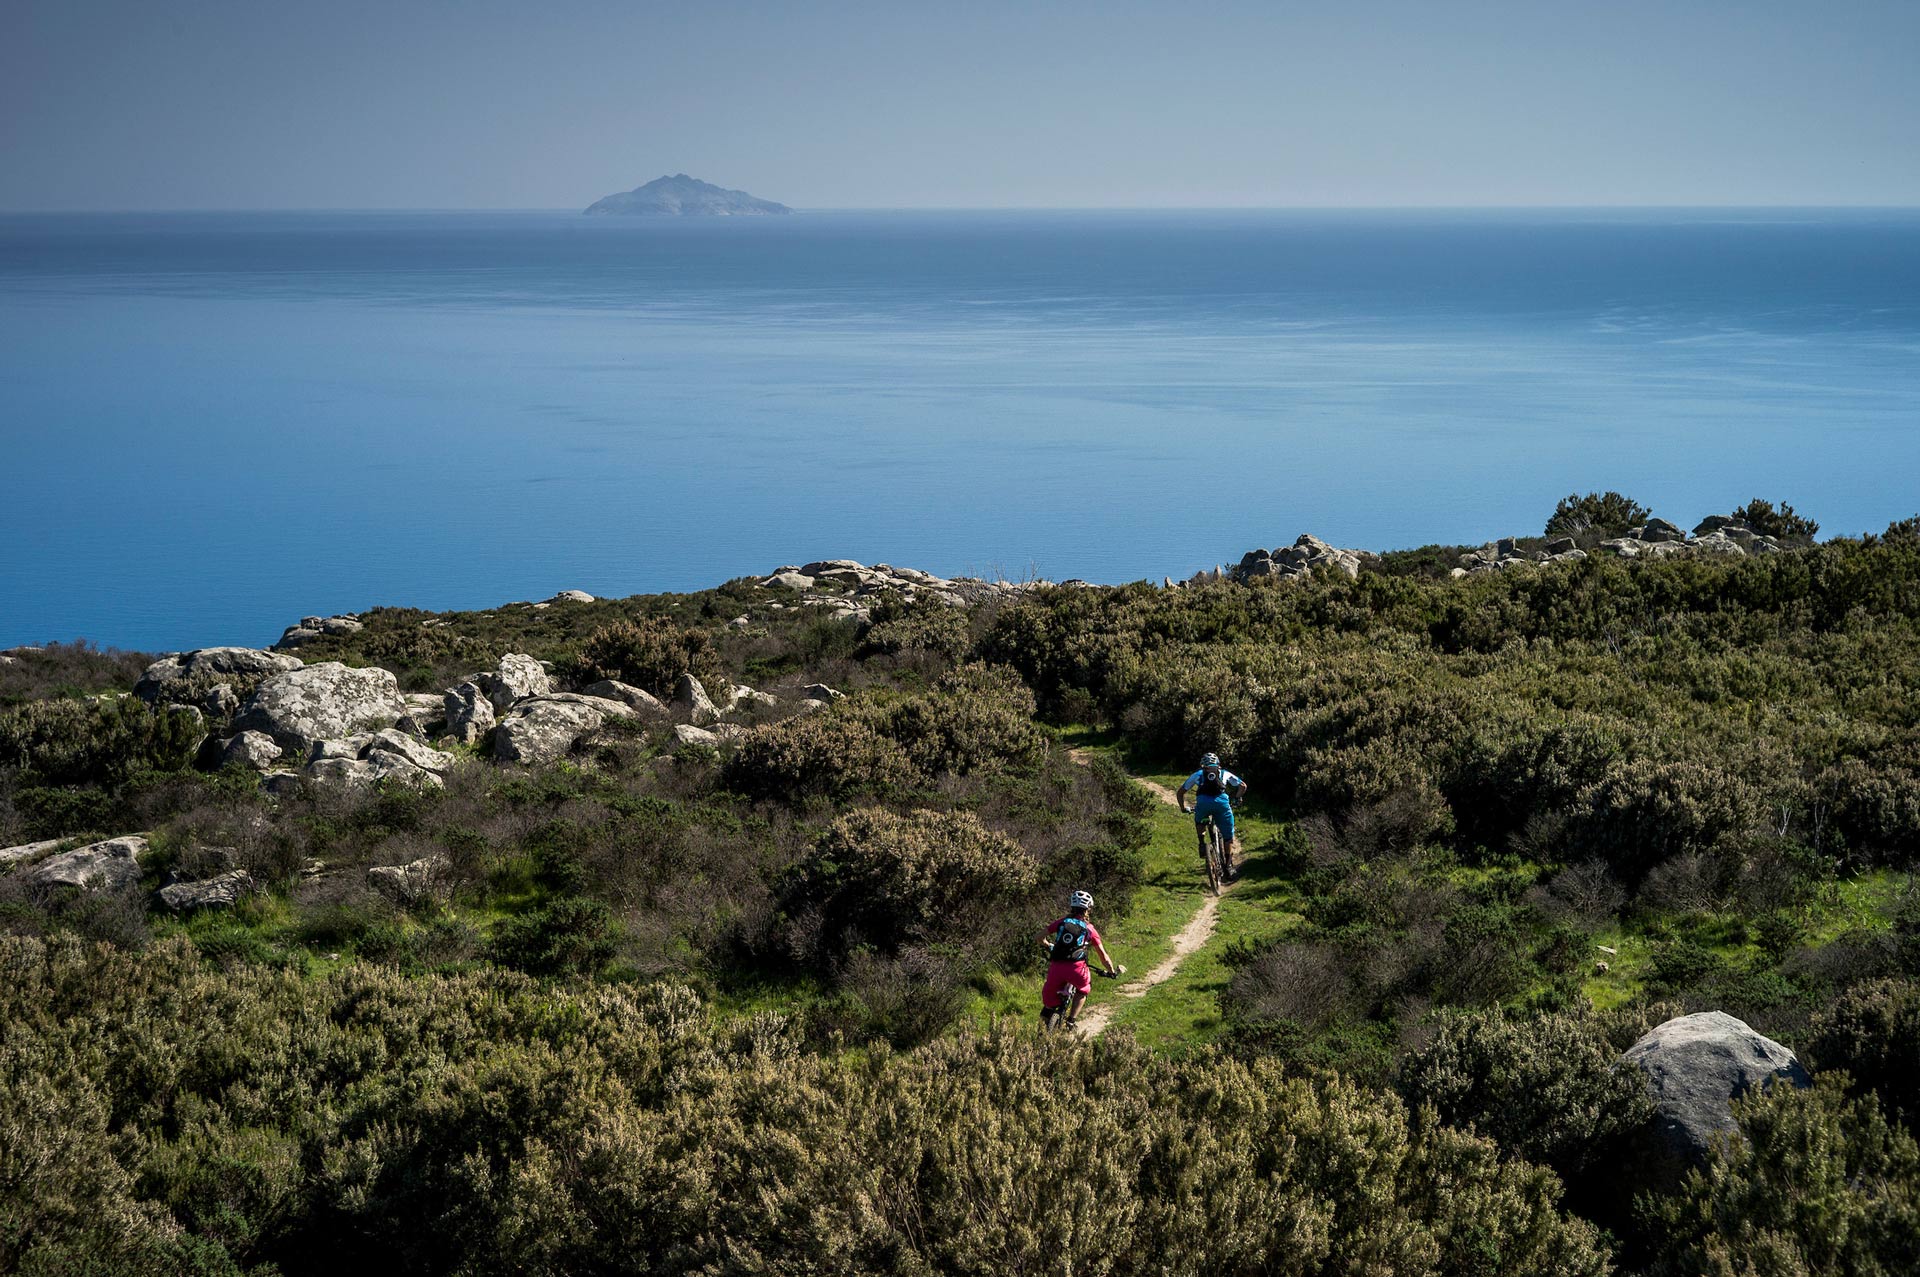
(1211, 785)
(1071, 940)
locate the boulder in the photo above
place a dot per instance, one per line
(1695, 1066)
(426, 715)
(468, 712)
(571, 596)
(1560, 545)
(171, 677)
(400, 745)
(222, 892)
(608, 689)
(100, 866)
(820, 692)
(219, 702)
(1713, 523)
(281, 783)
(688, 734)
(344, 773)
(1660, 530)
(517, 678)
(543, 730)
(348, 747)
(27, 851)
(409, 883)
(320, 702)
(691, 695)
(822, 567)
(788, 581)
(739, 697)
(249, 749)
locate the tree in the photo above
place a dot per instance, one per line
(1607, 513)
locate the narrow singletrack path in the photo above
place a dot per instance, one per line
(1198, 929)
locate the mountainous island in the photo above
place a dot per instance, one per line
(1576, 930)
(683, 196)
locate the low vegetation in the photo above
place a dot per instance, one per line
(675, 1008)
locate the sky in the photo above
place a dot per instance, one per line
(258, 104)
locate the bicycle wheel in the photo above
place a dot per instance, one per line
(1211, 856)
(1224, 850)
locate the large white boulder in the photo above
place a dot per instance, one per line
(517, 678)
(1696, 1065)
(222, 892)
(469, 714)
(542, 730)
(321, 702)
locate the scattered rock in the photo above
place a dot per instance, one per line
(739, 697)
(1696, 1065)
(1291, 562)
(347, 747)
(313, 627)
(740, 623)
(222, 892)
(27, 851)
(820, 692)
(468, 713)
(321, 702)
(250, 749)
(544, 730)
(402, 746)
(688, 734)
(608, 689)
(173, 677)
(517, 678)
(410, 883)
(100, 866)
(571, 596)
(426, 715)
(691, 695)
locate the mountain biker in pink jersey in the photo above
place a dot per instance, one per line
(1066, 943)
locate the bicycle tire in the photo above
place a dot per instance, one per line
(1209, 855)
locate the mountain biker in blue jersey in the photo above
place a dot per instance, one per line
(1215, 790)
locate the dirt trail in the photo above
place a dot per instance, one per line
(1094, 1018)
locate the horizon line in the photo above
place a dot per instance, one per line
(991, 208)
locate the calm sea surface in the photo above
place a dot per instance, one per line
(213, 424)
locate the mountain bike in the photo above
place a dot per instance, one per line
(1060, 1016)
(1218, 855)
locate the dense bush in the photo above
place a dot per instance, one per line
(832, 755)
(1608, 514)
(650, 654)
(67, 669)
(1873, 1034)
(79, 742)
(889, 881)
(1783, 522)
(1816, 1183)
(1547, 1087)
(483, 1124)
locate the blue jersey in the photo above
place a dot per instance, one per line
(1228, 781)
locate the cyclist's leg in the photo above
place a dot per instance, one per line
(1201, 819)
(1224, 818)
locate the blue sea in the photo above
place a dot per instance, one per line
(213, 424)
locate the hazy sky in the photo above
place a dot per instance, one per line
(154, 104)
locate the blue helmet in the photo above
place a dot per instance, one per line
(1209, 760)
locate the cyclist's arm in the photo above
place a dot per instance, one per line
(1105, 960)
(1180, 794)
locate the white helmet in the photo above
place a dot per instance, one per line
(1082, 900)
(1209, 760)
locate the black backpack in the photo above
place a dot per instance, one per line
(1071, 940)
(1211, 786)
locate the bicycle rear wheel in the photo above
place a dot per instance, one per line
(1212, 856)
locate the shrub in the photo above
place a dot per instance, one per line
(1816, 1182)
(570, 936)
(1873, 1032)
(1607, 513)
(897, 628)
(1783, 522)
(890, 881)
(70, 742)
(1646, 811)
(1546, 1087)
(833, 754)
(68, 669)
(651, 654)
(977, 718)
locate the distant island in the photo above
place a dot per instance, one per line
(683, 196)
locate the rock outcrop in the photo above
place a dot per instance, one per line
(321, 702)
(101, 866)
(250, 749)
(1696, 1065)
(313, 627)
(690, 695)
(410, 883)
(468, 713)
(185, 676)
(543, 730)
(517, 678)
(26, 851)
(608, 689)
(1292, 562)
(222, 892)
